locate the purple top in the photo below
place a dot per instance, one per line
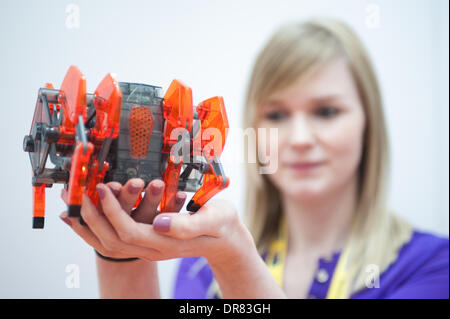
(420, 271)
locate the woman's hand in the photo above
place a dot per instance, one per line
(214, 232)
(99, 233)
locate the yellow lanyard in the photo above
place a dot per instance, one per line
(276, 256)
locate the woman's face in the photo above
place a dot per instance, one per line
(320, 125)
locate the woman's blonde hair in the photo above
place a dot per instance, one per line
(296, 51)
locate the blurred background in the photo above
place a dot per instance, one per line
(211, 46)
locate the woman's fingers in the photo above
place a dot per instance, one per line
(179, 201)
(126, 228)
(129, 193)
(115, 187)
(113, 233)
(88, 236)
(64, 195)
(181, 226)
(121, 222)
(83, 232)
(104, 231)
(147, 208)
(208, 221)
(129, 231)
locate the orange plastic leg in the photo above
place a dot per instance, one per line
(212, 184)
(38, 206)
(95, 177)
(170, 177)
(77, 180)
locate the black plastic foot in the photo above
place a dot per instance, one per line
(38, 222)
(74, 211)
(192, 206)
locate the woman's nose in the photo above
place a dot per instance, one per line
(301, 134)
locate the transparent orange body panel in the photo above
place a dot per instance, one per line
(178, 111)
(214, 124)
(72, 98)
(108, 102)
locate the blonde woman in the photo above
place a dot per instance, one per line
(318, 226)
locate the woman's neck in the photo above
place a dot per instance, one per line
(320, 226)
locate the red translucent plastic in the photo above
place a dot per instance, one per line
(178, 111)
(95, 177)
(85, 170)
(171, 176)
(78, 173)
(138, 201)
(39, 201)
(108, 103)
(72, 97)
(212, 115)
(212, 184)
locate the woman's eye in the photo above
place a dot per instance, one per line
(276, 115)
(327, 111)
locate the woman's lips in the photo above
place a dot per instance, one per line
(304, 167)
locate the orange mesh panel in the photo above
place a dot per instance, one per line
(141, 126)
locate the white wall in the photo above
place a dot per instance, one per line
(211, 46)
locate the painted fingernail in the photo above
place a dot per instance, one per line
(156, 190)
(65, 219)
(162, 224)
(101, 191)
(157, 187)
(135, 187)
(180, 198)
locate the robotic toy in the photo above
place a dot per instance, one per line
(122, 131)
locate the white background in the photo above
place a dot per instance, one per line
(211, 46)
